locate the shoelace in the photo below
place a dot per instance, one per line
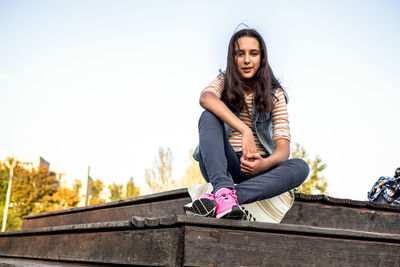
(232, 193)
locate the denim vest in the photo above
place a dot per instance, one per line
(262, 123)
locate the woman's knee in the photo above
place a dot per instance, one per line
(301, 169)
(208, 116)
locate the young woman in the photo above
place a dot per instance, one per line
(244, 133)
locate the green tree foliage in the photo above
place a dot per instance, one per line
(159, 177)
(14, 221)
(4, 176)
(116, 191)
(315, 183)
(192, 174)
(77, 186)
(95, 192)
(131, 190)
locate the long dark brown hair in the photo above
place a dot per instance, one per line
(235, 84)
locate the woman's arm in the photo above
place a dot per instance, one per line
(211, 102)
(259, 164)
(281, 136)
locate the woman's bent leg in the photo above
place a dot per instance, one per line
(285, 176)
(218, 161)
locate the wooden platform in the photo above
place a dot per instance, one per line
(153, 231)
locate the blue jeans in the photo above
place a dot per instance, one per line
(220, 165)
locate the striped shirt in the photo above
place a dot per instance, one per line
(280, 117)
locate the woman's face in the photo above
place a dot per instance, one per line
(247, 56)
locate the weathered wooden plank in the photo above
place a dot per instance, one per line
(314, 210)
(302, 213)
(183, 193)
(224, 247)
(335, 216)
(73, 228)
(120, 210)
(118, 213)
(195, 241)
(325, 199)
(19, 262)
(172, 194)
(151, 247)
(266, 227)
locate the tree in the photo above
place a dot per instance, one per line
(131, 190)
(315, 183)
(76, 187)
(95, 192)
(159, 177)
(4, 175)
(14, 221)
(63, 198)
(38, 190)
(192, 174)
(116, 191)
(32, 188)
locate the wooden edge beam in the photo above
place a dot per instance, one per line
(173, 194)
(345, 202)
(141, 222)
(87, 227)
(180, 193)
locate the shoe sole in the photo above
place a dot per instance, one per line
(235, 213)
(204, 207)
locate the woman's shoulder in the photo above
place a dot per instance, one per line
(277, 90)
(220, 77)
(218, 81)
(280, 94)
(216, 86)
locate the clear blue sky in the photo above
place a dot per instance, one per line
(106, 83)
